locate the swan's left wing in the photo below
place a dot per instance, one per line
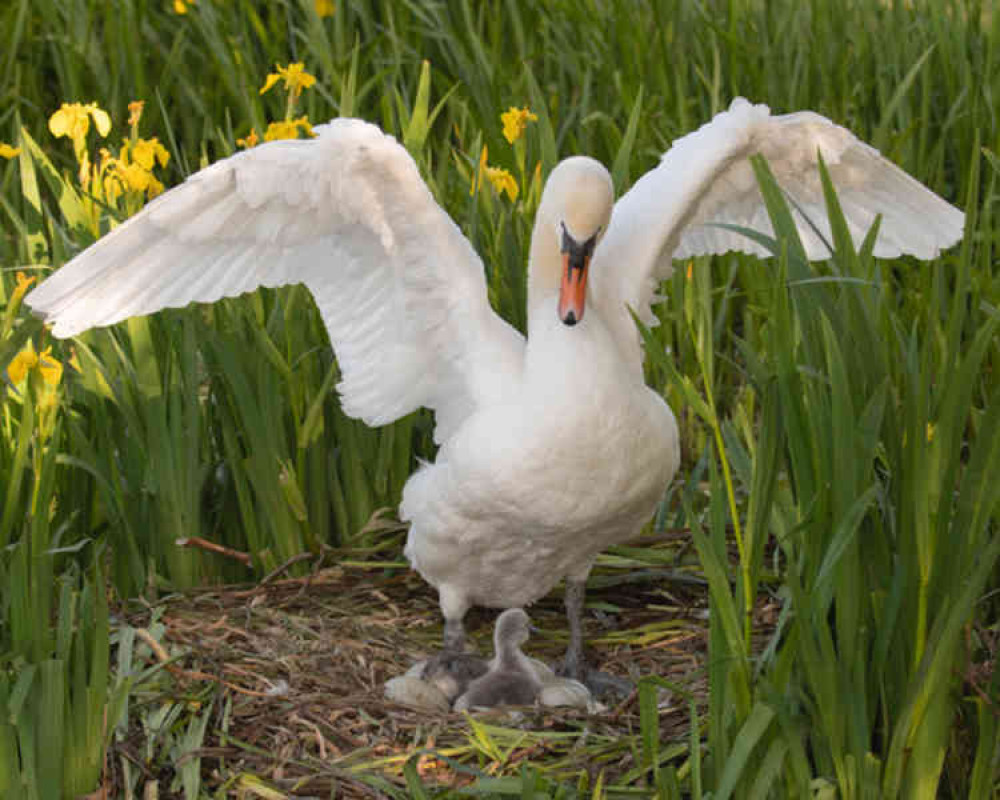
(401, 290)
(705, 179)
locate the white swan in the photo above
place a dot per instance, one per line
(551, 448)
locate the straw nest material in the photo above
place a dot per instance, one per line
(291, 674)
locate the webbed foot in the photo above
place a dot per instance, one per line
(602, 685)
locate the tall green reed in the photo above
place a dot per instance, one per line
(871, 468)
(57, 707)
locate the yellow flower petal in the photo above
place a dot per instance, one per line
(502, 181)
(477, 177)
(295, 77)
(101, 119)
(17, 369)
(6, 151)
(23, 282)
(272, 79)
(62, 121)
(514, 121)
(134, 177)
(107, 160)
(135, 112)
(325, 8)
(147, 152)
(113, 186)
(251, 140)
(84, 174)
(46, 403)
(73, 120)
(50, 368)
(288, 129)
(155, 187)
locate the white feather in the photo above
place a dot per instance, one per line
(402, 293)
(705, 179)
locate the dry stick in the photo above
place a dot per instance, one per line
(320, 738)
(164, 657)
(212, 547)
(274, 573)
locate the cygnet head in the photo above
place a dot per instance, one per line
(572, 217)
(451, 673)
(513, 628)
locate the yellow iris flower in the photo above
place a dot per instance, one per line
(73, 120)
(250, 140)
(132, 170)
(21, 287)
(514, 121)
(28, 360)
(324, 8)
(46, 393)
(295, 77)
(288, 129)
(501, 179)
(6, 151)
(135, 112)
(147, 152)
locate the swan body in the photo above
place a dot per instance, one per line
(552, 447)
(511, 504)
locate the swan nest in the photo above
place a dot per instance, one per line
(292, 673)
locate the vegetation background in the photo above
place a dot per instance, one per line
(841, 421)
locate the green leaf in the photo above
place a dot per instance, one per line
(418, 126)
(619, 170)
(750, 734)
(413, 782)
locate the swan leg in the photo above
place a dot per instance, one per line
(454, 636)
(574, 665)
(453, 669)
(453, 604)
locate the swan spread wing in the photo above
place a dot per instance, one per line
(401, 290)
(705, 179)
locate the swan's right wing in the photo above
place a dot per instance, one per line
(401, 290)
(705, 182)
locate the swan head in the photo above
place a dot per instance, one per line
(513, 628)
(573, 215)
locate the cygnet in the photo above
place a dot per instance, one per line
(511, 679)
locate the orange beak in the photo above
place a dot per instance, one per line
(576, 263)
(573, 292)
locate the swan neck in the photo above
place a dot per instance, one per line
(543, 266)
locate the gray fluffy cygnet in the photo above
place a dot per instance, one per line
(511, 679)
(433, 685)
(453, 673)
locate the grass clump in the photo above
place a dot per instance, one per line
(840, 421)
